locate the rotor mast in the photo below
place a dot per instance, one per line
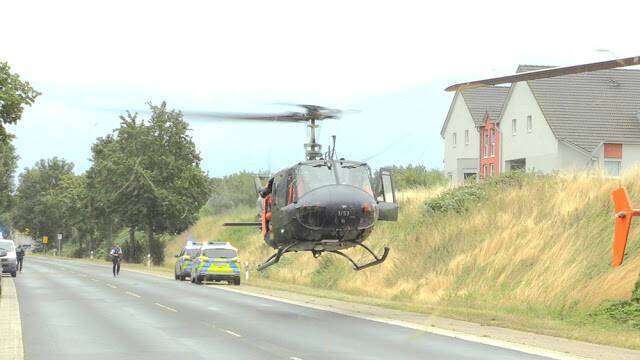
(312, 150)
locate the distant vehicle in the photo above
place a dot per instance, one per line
(184, 259)
(36, 248)
(9, 260)
(216, 261)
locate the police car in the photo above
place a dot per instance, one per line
(184, 260)
(216, 261)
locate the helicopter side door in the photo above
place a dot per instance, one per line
(387, 204)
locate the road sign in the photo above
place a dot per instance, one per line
(59, 236)
(45, 239)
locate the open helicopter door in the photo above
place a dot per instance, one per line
(388, 207)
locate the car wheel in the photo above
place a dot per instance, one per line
(177, 277)
(199, 280)
(236, 281)
(13, 274)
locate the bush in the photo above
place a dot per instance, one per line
(460, 199)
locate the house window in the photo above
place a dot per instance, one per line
(486, 142)
(493, 142)
(514, 126)
(466, 137)
(529, 123)
(455, 139)
(612, 167)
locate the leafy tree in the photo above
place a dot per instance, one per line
(232, 191)
(411, 176)
(147, 174)
(8, 165)
(14, 96)
(38, 197)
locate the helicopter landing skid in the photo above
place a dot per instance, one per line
(273, 259)
(356, 267)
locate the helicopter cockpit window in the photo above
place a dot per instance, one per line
(313, 177)
(355, 175)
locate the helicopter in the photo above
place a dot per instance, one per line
(322, 204)
(622, 204)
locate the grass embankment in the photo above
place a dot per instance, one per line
(530, 252)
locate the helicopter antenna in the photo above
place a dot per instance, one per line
(333, 147)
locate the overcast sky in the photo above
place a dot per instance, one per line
(389, 60)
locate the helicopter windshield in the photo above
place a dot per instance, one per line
(313, 177)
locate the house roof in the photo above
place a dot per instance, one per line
(590, 108)
(485, 100)
(481, 101)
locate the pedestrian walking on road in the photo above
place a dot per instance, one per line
(20, 257)
(116, 256)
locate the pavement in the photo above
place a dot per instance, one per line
(71, 310)
(10, 329)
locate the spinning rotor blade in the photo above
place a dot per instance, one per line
(285, 117)
(547, 73)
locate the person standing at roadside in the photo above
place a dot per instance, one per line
(20, 257)
(116, 256)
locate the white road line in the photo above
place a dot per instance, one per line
(132, 294)
(232, 333)
(112, 286)
(295, 358)
(92, 279)
(213, 308)
(83, 275)
(166, 307)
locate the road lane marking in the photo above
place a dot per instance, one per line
(213, 308)
(232, 333)
(132, 294)
(96, 280)
(166, 307)
(112, 286)
(295, 358)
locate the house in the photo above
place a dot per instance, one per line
(470, 111)
(567, 123)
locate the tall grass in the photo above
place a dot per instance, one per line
(537, 247)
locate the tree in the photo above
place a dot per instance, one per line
(14, 96)
(232, 191)
(38, 204)
(148, 176)
(8, 165)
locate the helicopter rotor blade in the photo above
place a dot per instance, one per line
(547, 73)
(217, 116)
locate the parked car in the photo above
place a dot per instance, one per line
(184, 258)
(9, 261)
(216, 261)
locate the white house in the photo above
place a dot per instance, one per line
(460, 130)
(566, 123)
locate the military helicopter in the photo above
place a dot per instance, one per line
(623, 209)
(321, 204)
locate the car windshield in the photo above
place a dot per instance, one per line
(313, 177)
(219, 253)
(191, 252)
(7, 246)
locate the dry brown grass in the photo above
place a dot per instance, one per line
(541, 250)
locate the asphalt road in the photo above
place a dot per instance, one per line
(71, 310)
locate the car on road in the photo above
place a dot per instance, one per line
(9, 261)
(184, 259)
(216, 261)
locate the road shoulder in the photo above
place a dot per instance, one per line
(10, 325)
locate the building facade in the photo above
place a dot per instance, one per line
(562, 124)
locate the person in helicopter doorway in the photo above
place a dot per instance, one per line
(265, 207)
